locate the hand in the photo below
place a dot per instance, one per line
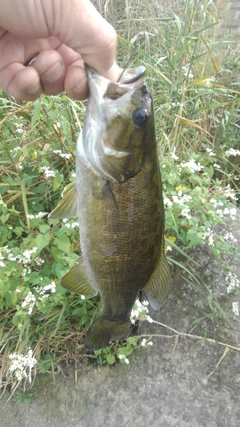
(62, 34)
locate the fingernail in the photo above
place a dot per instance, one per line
(54, 73)
(33, 88)
(80, 87)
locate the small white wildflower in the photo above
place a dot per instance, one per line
(27, 255)
(231, 212)
(29, 302)
(233, 281)
(43, 291)
(149, 319)
(216, 166)
(210, 152)
(143, 343)
(209, 236)
(75, 224)
(139, 310)
(192, 166)
(83, 297)
(2, 264)
(150, 343)
(232, 152)
(230, 236)
(123, 358)
(22, 366)
(39, 261)
(66, 155)
(185, 213)
(235, 308)
(167, 202)
(48, 172)
(230, 193)
(30, 216)
(63, 155)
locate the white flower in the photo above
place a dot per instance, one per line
(167, 202)
(48, 172)
(230, 236)
(192, 165)
(235, 308)
(233, 281)
(209, 236)
(185, 213)
(63, 155)
(43, 291)
(22, 365)
(139, 310)
(210, 152)
(123, 358)
(29, 302)
(232, 152)
(149, 319)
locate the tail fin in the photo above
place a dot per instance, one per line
(103, 331)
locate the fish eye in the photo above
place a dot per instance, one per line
(140, 117)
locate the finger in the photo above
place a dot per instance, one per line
(51, 69)
(76, 84)
(21, 82)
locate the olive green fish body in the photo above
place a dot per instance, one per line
(119, 202)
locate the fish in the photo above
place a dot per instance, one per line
(118, 200)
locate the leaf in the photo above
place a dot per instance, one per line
(42, 240)
(111, 359)
(63, 243)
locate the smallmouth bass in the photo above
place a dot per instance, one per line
(118, 199)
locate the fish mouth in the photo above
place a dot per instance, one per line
(105, 88)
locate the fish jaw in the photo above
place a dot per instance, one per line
(110, 138)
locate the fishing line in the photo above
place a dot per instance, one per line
(136, 43)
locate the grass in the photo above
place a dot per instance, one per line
(194, 80)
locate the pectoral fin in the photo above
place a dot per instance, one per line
(67, 207)
(76, 280)
(157, 288)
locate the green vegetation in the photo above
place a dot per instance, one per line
(195, 84)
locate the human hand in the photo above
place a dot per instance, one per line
(62, 35)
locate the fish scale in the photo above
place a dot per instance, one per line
(118, 198)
